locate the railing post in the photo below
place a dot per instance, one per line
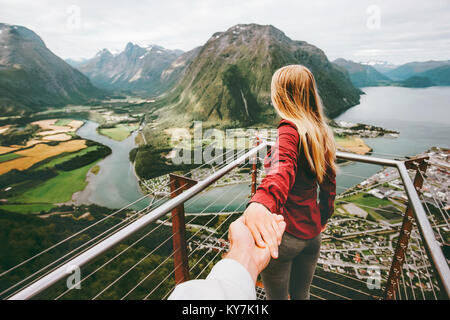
(420, 165)
(178, 184)
(254, 171)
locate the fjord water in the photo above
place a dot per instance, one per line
(421, 115)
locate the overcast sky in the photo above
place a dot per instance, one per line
(395, 31)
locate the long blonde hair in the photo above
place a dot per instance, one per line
(295, 98)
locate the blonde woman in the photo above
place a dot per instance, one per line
(302, 159)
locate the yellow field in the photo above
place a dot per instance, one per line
(39, 153)
(52, 132)
(57, 137)
(7, 149)
(352, 144)
(17, 147)
(28, 144)
(4, 128)
(49, 125)
(57, 132)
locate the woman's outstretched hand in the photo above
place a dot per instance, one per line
(244, 250)
(264, 227)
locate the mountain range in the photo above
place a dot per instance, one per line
(410, 69)
(226, 81)
(362, 75)
(135, 68)
(412, 74)
(32, 77)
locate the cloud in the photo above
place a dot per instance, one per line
(397, 31)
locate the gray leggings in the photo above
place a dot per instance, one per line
(292, 273)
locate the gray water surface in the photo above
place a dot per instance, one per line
(115, 185)
(421, 115)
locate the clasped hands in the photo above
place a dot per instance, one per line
(255, 237)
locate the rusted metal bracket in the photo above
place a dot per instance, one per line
(254, 171)
(178, 184)
(420, 165)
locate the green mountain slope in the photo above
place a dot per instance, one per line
(439, 76)
(417, 82)
(362, 75)
(32, 77)
(410, 69)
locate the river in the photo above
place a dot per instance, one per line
(422, 116)
(115, 185)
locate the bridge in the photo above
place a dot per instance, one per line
(143, 254)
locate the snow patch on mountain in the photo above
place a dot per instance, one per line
(137, 76)
(144, 55)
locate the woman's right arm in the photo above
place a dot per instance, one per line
(273, 191)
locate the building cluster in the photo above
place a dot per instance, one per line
(436, 187)
(361, 255)
(344, 128)
(355, 246)
(209, 243)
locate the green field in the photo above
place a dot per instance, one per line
(368, 200)
(370, 204)
(66, 157)
(35, 195)
(394, 215)
(63, 122)
(120, 132)
(8, 157)
(27, 208)
(58, 189)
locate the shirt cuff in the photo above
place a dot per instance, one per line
(265, 200)
(235, 274)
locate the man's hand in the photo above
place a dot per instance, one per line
(264, 227)
(244, 250)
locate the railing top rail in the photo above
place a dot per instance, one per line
(367, 159)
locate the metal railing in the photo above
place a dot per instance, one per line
(432, 248)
